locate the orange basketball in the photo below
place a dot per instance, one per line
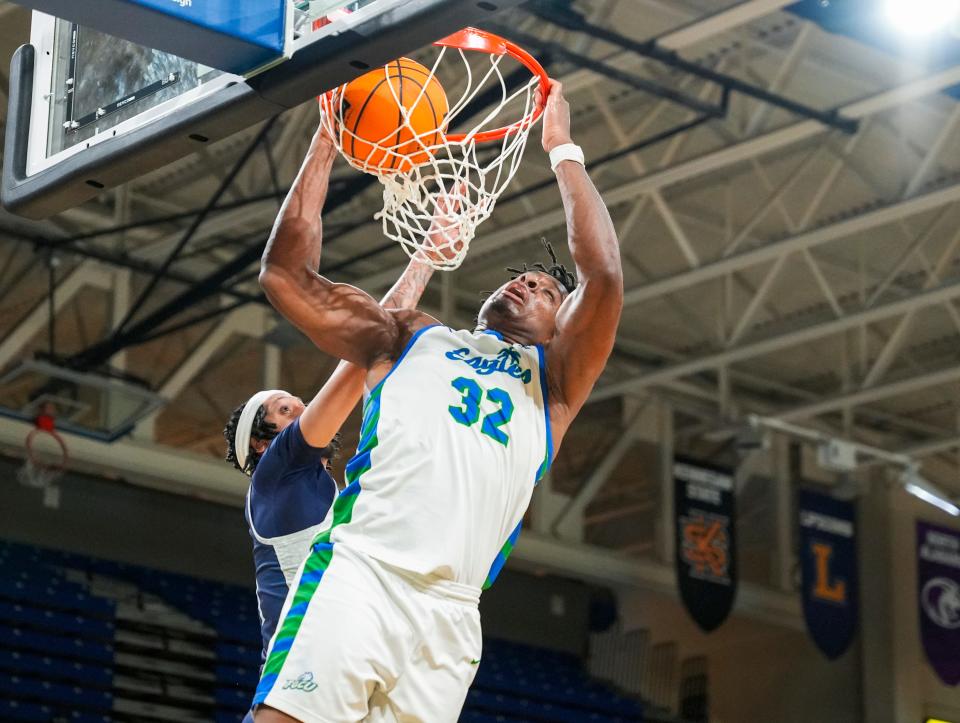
(376, 137)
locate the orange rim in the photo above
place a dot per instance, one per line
(486, 42)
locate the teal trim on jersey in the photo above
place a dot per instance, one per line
(548, 460)
(502, 556)
(313, 569)
(508, 546)
(360, 462)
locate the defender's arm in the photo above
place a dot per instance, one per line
(587, 320)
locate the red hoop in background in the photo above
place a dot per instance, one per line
(56, 468)
(485, 42)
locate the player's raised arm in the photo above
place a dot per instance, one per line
(587, 320)
(340, 319)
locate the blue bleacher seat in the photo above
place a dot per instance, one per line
(12, 710)
(65, 596)
(56, 668)
(228, 716)
(544, 686)
(55, 622)
(238, 675)
(55, 646)
(479, 716)
(233, 698)
(245, 655)
(37, 690)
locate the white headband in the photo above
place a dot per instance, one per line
(241, 438)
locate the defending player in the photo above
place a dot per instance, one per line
(382, 620)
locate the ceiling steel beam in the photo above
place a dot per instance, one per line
(778, 342)
(531, 228)
(871, 394)
(807, 240)
(85, 274)
(568, 18)
(125, 261)
(222, 188)
(621, 76)
(137, 332)
(692, 31)
(728, 19)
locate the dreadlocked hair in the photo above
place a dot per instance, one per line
(261, 429)
(557, 270)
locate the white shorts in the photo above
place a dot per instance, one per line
(359, 640)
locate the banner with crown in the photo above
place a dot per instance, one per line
(828, 570)
(706, 556)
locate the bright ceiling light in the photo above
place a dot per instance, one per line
(921, 17)
(933, 499)
(922, 489)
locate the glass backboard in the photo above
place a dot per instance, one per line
(88, 111)
(85, 403)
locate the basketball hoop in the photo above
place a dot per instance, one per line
(42, 468)
(433, 206)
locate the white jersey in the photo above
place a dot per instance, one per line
(453, 441)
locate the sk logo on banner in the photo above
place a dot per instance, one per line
(825, 588)
(705, 546)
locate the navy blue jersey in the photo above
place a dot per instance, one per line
(289, 497)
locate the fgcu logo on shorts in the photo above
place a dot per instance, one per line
(941, 602)
(507, 361)
(303, 682)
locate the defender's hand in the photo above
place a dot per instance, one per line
(556, 118)
(443, 235)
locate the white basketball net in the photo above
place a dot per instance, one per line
(45, 463)
(433, 209)
(37, 475)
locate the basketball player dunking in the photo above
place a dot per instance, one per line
(381, 622)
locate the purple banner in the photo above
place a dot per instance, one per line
(938, 586)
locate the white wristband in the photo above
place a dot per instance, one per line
(566, 152)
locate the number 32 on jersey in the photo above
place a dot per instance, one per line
(467, 412)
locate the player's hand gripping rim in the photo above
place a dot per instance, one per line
(556, 117)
